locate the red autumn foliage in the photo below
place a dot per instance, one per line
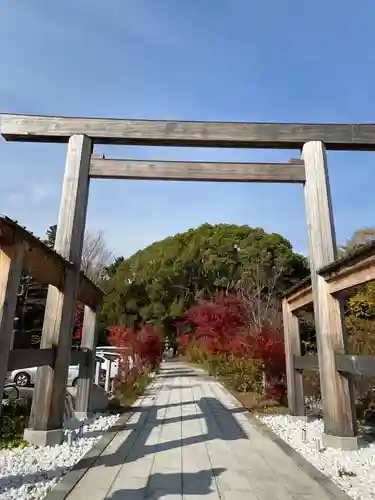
(78, 321)
(184, 340)
(125, 338)
(150, 345)
(220, 326)
(145, 345)
(216, 323)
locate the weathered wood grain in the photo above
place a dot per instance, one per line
(301, 299)
(356, 365)
(89, 293)
(10, 274)
(44, 264)
(181, 133)
(356, 256)
(309, 363)
(356, 268)
(78, 357)
(28, 358)
(346, 363)
(337, 393)
(47, 410)
(292, 172)
(86, 370)
(352, 276)
(342, 276)
(292, 341)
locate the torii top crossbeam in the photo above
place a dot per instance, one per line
(184, 133)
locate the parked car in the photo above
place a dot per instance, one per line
(25, 377)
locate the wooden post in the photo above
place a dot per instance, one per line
(107, 386)
(98, 365)
(337, 389)
(292, 341)
(87, 370)
(47, 411)
(11, 259)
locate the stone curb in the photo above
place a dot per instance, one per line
(68, 482)
(331, 488)
(75, 474)
(334, 491)
(64, 487)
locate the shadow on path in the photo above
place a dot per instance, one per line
(159, 485)
(219, 420)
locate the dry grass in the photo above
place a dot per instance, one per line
(255, 402)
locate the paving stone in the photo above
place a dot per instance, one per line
(127, 485)
(189, 439)
(232, 479)
(275, 490)
(140, 468)
(239, 495)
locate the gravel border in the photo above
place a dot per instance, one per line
(332, 490)
(64, 487)
(68, 482)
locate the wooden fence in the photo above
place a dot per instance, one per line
(340, 280)
(21, 251)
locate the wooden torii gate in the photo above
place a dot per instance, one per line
(311, 170)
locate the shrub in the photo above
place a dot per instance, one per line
(215, 323)
(141, 353)
(132, 385)
(195, 353)
(246, 374)
(220, 338)
(150, 346)
(242, 374)
(14, 419)
(276, 389)
(311, 390)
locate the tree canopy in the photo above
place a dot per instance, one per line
(158, 284)
(360, 308)
(359, 238)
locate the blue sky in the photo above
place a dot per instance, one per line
(224, 60)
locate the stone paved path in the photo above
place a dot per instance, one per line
(189, 439)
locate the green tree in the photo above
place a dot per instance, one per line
(111, 270)
(50, 236)
(158, 284)
(360, 307)
(359, 238)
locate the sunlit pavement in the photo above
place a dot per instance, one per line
(188, 438)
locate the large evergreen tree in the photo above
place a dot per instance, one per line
(158, 284)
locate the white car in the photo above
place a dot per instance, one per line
(25, 377)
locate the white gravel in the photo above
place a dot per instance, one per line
(353, 471)
(29, 473)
